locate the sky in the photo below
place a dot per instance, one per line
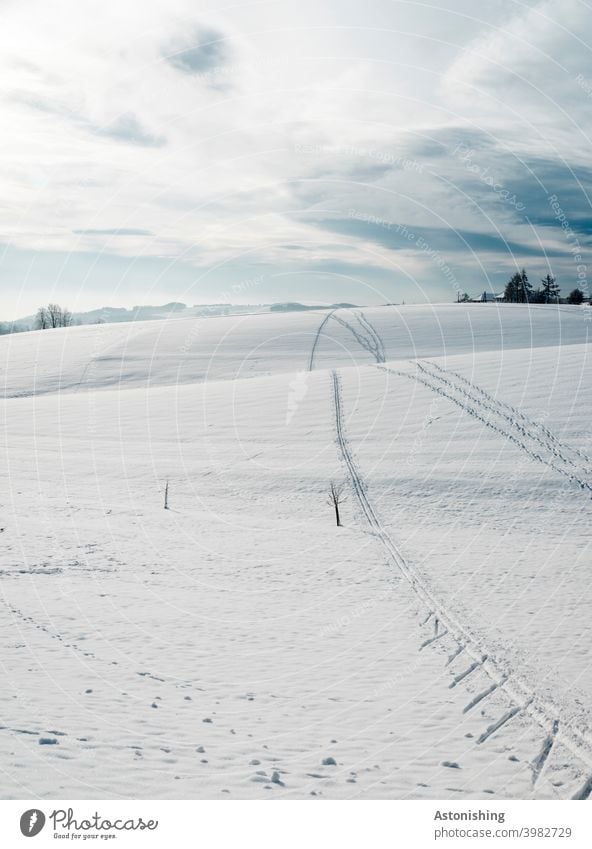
(271, 151)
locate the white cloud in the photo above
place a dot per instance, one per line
(212, 136)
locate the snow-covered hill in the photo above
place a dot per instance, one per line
(241, 645)
(180, 351)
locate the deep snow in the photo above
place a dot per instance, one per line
(228, 646)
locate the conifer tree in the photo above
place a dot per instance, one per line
(550, 290)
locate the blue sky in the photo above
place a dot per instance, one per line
(336, 151)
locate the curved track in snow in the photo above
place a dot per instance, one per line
(535, 430)
(521, 696)
(365, 335)
(538, 446)
(313, 351)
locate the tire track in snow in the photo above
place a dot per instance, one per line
(541, 759)
(484, 414)
(371, 343)
(515, 425)
(367, 338)
(365, 322)
(508, 408)
(539, 433)
(320, 329)
(523, 699)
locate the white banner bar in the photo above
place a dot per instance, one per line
(294, 824)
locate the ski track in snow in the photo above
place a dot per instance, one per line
(369, 341)
(365, 335)
(518, 696)
(527, 440)
(540, 435)
(311, 359)
(535, 440)
(513, 414)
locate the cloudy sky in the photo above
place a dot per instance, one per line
(344, 150)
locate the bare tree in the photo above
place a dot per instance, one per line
(166, 496)
(42, 319)
(53, 315)
(336, 497)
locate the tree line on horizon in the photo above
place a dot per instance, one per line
(53, 315)
(519, 290)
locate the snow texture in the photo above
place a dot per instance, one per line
(241, 645)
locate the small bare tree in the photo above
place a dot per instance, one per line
(166, 496)
(336, 497)
(54, 312)
(53, 315)
(42, 319)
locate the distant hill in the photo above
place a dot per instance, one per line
(148, 312)
(297, 307)
(109, 315)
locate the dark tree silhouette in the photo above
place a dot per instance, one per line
(518, 288)
(336, 497)
(576, 296)
(512, 288)
(525, 288)
(53, 315)
(550, 290)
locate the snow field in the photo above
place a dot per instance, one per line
(228, 646)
